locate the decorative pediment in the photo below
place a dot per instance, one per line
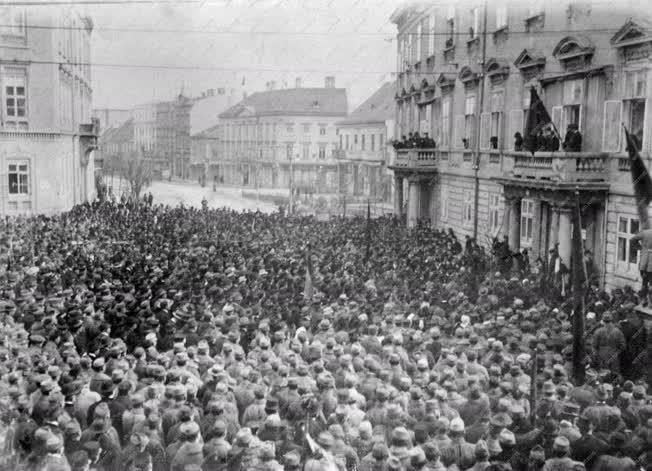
(497, 67)
(244, 111)
(631, 33)
(573, 46)
(403, 93)
(530, 58)
(469, 74)
(444, 81)
(413, 89)
(424, 84)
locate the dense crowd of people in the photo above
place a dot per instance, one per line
(142, 337)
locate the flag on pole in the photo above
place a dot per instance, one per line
(579, 281)
(308, 286)
(537, 118)
(243, 81)
(368, 254)
(640, 179)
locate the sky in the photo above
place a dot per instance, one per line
(223, 43)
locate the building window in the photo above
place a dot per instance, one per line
(290, 128)
(18, 178)
(627, 249)
(527, 222)
(501, 16)
(355, 140)
(450, 27)
(475, 25)
(467, 208)
(445, 120)
(495, 208)
(306, 128)
(469, 121)
(634, 104)
(305, 151)
(431, 35)
(373, 142)
(322, 130)
(15, 100)
(347, 142)
(13, 21)
(362, 141)
(289, 148)
(497, 99)
(322, 152)
(381, 141)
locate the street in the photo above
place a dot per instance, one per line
(191, 194)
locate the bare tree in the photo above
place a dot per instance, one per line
(136, 171)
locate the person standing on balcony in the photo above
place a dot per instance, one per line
(573, 139)
(518, 142)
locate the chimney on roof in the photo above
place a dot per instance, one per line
(330, 82)
(297, 82)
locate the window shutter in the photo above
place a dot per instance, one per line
(557, 113)
(611, 126)
(458, 131)
(485, 130)
(515, 125)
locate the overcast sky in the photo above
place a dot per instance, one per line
(254, 40)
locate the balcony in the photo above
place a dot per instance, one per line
(566, 167)
(415, 159)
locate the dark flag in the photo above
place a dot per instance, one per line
(537, 118)
(640, 179)
(368, 231)
(308, 286)
(579, 281)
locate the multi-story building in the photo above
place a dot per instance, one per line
(46, 132)
(272, 134)
(144, 121)
(364, 149)
(470, 87)
(203, 127)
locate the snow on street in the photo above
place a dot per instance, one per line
(191, 194)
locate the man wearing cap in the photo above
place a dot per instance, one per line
(560, 459)
(459, 452)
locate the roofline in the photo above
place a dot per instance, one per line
(362, 121)
(285, 113)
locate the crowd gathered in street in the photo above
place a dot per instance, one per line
(141, 337)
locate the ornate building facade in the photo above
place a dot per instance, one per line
(465, 74)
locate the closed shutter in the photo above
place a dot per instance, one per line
(557, 116)
(515, 125)
(611, 127)
(458, 132)
(485, 130)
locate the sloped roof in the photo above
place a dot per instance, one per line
(379, 107)
(297, 101)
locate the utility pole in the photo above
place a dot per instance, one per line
(476, 160)
(291, 203)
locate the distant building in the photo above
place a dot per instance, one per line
(364, 152)
(111, 117)
(269, 133)
(47, 136)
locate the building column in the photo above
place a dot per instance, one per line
(537, 232)
(514, 231)
(565, 230)
(554, 227)
(398, 196)
(413, 202)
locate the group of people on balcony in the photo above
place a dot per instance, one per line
(414, 141)
(547, 140)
